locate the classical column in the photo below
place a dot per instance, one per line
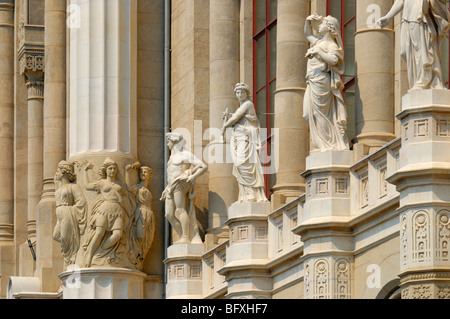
(6, 121)
(6, 143)
(291, 84)
(224, 74)
(49, 261)
(103, 54)
(35, 86)
(103, 136)
(374, 55)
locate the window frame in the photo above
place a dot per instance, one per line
(258, 34)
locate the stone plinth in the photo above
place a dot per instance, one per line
(323, 228)
(423, 180)
(245, 269)
(18, 285)
(184, 271)
(103, 283)
(327, 184)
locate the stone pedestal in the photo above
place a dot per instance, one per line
(247, 254)
(423, 180)
(327, 239)
(184, 271)
(103, 283)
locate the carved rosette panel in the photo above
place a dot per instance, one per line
(421, 243)
(343, 273)
(443, 235)
(328, 278)
(321, 279)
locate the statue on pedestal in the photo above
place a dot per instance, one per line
(71, 212)
(183, 169)
(425, 24)
(324, 107)
(245, 146)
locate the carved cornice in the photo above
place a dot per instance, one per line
(31, 48)
(32, 60)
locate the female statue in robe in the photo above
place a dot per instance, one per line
(71, 210)
(425, 24)
(108, 217)
(143, 221)
(323, 107)
(245, 146)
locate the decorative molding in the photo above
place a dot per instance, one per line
(35, 89)
(32, 61)
(342, 271)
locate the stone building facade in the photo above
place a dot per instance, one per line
(86, 80)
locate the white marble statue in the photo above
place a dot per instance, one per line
(245, 146)
(108, 217)
(183, 168)
(71, 212)
(425, 24)
(324, 107)
(142, 230)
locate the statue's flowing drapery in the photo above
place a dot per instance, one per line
(324, 108)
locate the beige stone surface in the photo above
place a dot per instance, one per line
(374, 55)
(291, 84)
(379, 231)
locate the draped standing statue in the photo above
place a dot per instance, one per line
(245, 146)
(108, 217)
(71, 212)
(183, 169)
(143, 221)
(324, 107)
(425, 24)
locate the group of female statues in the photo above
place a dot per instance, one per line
(425, 24)
(121, 222)
(118, 229)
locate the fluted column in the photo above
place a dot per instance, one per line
(291, 85)
(6, 121)
(224, 74)
(103, 55)
(374, 54)
(49, 262)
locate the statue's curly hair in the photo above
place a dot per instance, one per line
(107, 163)
(67, 169)
(242, 86)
